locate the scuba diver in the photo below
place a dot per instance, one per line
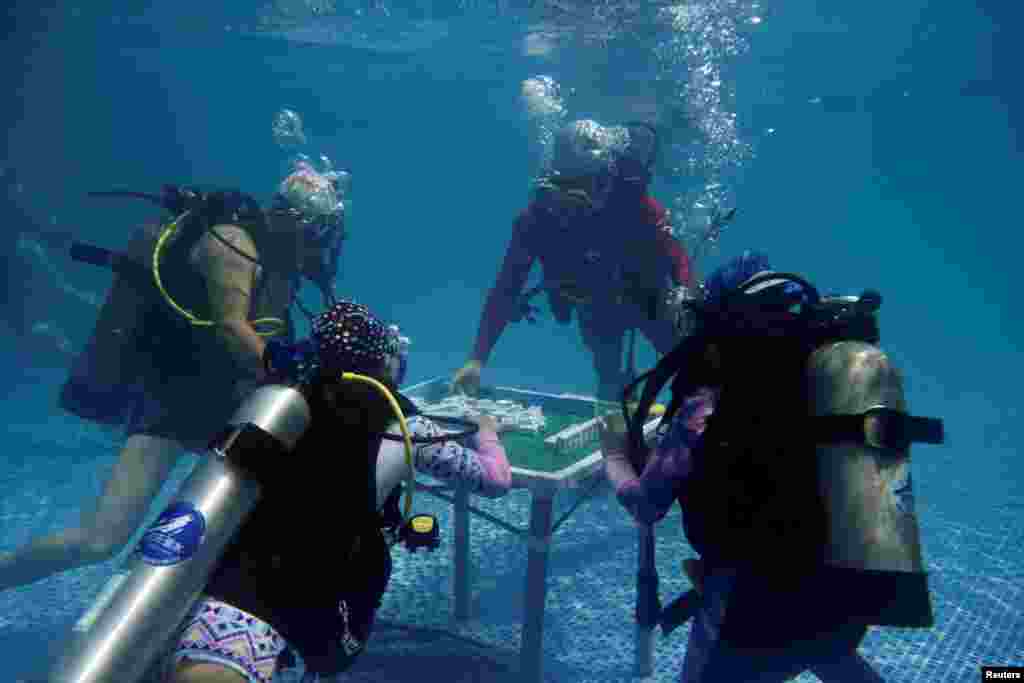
(605, 248)
(180, 340)
(308, 567)
(786, 444)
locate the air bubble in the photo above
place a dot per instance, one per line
(287, 129)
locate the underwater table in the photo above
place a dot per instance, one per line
(562, 453)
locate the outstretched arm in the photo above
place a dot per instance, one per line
(649, 496)
(500, 306)
(484, 468)
(681, 266)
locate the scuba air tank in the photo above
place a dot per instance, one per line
(120, 636)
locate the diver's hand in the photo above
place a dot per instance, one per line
(617, 467)
(282, 361)
(612, 431)
(677, 307)
(488, 423)
(467, 379)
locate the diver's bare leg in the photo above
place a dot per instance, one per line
(866, 491)
(140, 472)
(205, 672)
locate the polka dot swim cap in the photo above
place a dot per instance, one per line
(349, 338)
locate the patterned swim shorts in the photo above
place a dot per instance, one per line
(218, 633)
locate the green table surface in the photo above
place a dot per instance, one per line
(527, 450)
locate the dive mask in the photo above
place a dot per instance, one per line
(574, 194)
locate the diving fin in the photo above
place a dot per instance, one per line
(155, 198)
(118, 262)
(173, 198)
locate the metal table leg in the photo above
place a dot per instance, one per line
(460, 576)
(531, 654)
(643, 662)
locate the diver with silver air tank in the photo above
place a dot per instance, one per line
(142, 605)
(787, 446)
(279, 535)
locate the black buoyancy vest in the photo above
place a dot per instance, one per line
(752, 501)
(752, 504)
(753, 496)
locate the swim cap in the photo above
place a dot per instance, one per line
(771, 293)
(728, 277)
(311, 193)
(586, 148)
(349, 338)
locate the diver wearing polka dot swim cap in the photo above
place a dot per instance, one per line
(349, 338)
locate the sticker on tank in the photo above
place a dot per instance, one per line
(174, 537)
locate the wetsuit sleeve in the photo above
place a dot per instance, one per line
(504, 296)
(484, 468)
(649, 496)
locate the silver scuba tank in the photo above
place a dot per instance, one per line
(865, 486)
(874, 541)
(119, 637)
